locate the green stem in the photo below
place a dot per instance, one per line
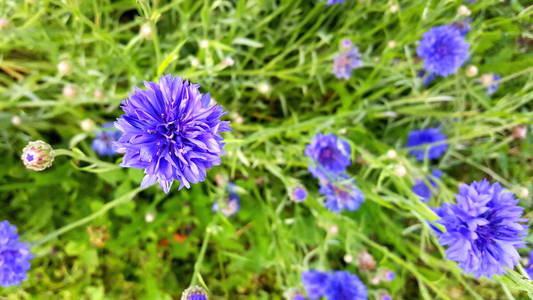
(196, 274)
(120, 200)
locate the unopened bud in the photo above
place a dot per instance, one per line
(149, 217)
(16, 120)
(391, 154)
(195, 62)
(64, 67)
(87, 125)
(194, 293)
(348, 258)
(471, 71)
(204, 44)
(394, 8)
(400, 170)
(263, 88)
(520, 132)
(366, 261)
(333, 229)
(523, 193)
(298, 194)
(146, 31)
(463, 11)
(391, 44)
(69, 91)
(98, 94)
(37, 155)
(3, 23)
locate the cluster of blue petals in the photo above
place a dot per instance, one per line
(104, 142)
(418, 138)
(15, 256)
(348, 59)
(443, 49)
(483, 229)
(336, 285)
(341, 194)
(331, 2)
(172, 131)
(422, 190)
(231, 205)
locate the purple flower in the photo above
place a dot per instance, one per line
(15, 256)
(330, 155)
(172, 132)
(491, 81)
(483, 229)
(385, 297)
(331, 2)
(342, 194)
(194, 293)
(298, 297)
(389, 275)
(229, 206)
(337, 285)
(104, 142)
(348, 59)
(422, 137)
(443, 49)
(422, 190)
(298, 194)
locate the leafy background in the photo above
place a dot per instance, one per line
(287, 46)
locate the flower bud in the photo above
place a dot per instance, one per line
(64, 67)
(87, 125)
(348, 258)
(391, 44)
(400, 170)
(204, 44)
(298, 194)
(263, 88)
(195, 62)
(366, 261)
(37, 155)
(149, 217)
(394, 8)
(69, 91)
(520, 132)
(98, 94)
(146, 31)
(333, 229)
(471, 71)
(194, 293)
(16, 120)
(523, 193)
(3, 23)
(391, 154)
(463, 11)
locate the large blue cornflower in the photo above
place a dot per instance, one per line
(483, 229)
(172, 132)
(104, 142)
(417, 138)
(341, 194)
(15, 256)
(422, 190)
(443, 49)
(347, 60)
(337, 285)
(330, 155)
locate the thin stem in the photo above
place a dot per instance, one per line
(196, 274)
(120, 200)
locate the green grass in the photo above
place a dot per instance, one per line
(289, 45)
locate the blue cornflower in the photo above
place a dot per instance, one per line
(483, 229)
(15, 256)
(347, 60)
(331, 2)
(443, 49)
(229, 206)
(341, 194)
(194, 293)
(491, 82)
(385, 297)
(330, 155)
(337, 285)
(389, 275)
(298, 297)
(172, 132)
(104, 142)
(422, 190)
(298, 194)
(417, 138)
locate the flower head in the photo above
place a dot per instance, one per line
(37, 155)
(422, 137)
(443, 49)
(298, 194)
(228, 206)
(194, 293)
(172, 132)
(337, 285)
(342, 194)
(491, 82)
(104, 142)
(15, 256)
(347, 60)
(422, 190)
(483, 229)
(330, 155)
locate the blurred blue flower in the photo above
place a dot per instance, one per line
(228, 206)
(342, 194)
(337, 285)
(491, 81)
(422, 190)
(298, 194)
(197, 297)
(330, 155)
(298, 297)
(172, 132)
(331, 2)
(385, 297)
(443, 49)
(104, 142)
(427, 77)
(417, 138)
(483, 229)
(348, 59)
(15, 256)
(389, 275)
(529, 269)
